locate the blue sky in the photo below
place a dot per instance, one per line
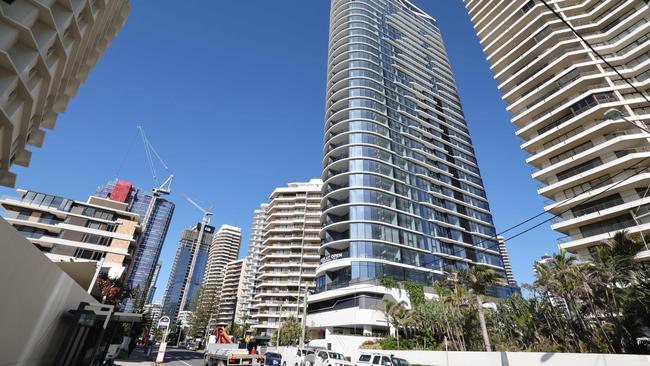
(231, 94)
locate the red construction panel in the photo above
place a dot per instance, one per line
(121, 191)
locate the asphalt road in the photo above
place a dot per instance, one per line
(182, 357)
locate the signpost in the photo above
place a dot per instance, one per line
(163, 324)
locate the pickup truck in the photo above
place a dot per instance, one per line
(218, 354)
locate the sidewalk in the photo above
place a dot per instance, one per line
(137, 359)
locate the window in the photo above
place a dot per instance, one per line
(375, 360)
(597, 205)
(569, 153)
(23, 215)
(529, 5)
(584, 187)
(87, 254)
(579, 169)
(613, 224)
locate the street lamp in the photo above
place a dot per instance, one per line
(614, 113)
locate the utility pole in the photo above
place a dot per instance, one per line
(204, 222)
(304, 319)
(277, 340)
(207, 329)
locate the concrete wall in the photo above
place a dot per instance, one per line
(441, 358)
(34, 294)
(348, 345)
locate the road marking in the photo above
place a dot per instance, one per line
(185, 363)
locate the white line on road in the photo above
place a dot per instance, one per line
(185, 363)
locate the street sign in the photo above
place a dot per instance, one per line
(164, 322)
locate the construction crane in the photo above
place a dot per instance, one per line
(205, 221)
(158, 190)
(150, 151)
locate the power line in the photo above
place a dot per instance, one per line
(613, 186)
(425, 265)
(644, 128)
(568, 199)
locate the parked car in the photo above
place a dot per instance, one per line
(272, 359)
(380, 359)
(191, 346)
(329, 358)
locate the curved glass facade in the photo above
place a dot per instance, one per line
(403, 195)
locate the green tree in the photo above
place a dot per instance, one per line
(398, 316)
(477, 279)
(235, 330)
(200, 314)
(290, 332)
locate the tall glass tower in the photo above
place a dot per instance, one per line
(181, 268)
(155, 231)
(403, 195)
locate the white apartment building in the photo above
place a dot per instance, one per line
(229, 291)
(584, 127)
(507, 266)
(289, 255)
(224, 249)
(154, 310)
(65, 230)
(248, 285)
(49, 48)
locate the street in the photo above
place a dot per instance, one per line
(182, 357)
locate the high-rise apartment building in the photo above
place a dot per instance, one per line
(153, 287)
(65, 230)
(403, 195)
(176, 284)
(224, 249)
(289, 255)
(154, 309)
(581, 124)
(156, 215)
(251, 269)
(507, 266)
(229, 290)
(49, 47)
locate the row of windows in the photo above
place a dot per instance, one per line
(363, 271)
(420, 259)
(419, 195)
(46, 200)
(581, 168)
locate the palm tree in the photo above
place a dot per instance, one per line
(397, 315)
(477, 279)
(612, 273)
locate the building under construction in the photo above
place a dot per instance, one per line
(156, 215)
